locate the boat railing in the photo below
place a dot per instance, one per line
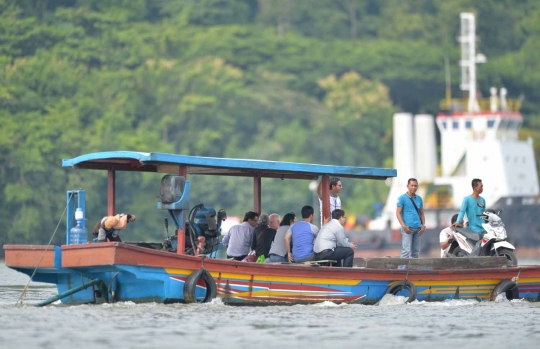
(485, 104)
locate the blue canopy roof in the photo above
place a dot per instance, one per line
(170, 163)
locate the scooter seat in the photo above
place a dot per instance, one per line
(470, 234)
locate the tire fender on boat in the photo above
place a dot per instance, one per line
(191, 285)
(509, 287)
(403, 285)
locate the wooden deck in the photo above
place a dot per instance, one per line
(431, 263)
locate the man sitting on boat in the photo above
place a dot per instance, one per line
(278, 251)
(331, 243)
(238, 240)
(446, 237)
(302, 234)
(107, 229)
(264, 234)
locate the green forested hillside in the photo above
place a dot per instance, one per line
(293, 80)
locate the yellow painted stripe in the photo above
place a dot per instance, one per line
(460, 283)
(528, 280)
(268, 278)
(347, 282)
(178, 271)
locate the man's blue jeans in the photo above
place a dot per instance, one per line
(274, 258)
(410, 243)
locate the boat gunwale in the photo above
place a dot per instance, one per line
(216, 265)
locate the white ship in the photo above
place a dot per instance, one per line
(479, 138)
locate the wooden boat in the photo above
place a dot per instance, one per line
(120, 271)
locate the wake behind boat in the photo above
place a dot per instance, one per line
(165, 272)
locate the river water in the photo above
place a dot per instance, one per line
(391, 324)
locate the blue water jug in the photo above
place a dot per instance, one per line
(78, 233)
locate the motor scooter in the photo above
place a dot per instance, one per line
(492, 243)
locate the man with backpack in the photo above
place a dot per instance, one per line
(410, 214)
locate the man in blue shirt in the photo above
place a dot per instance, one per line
(302, 234)
(472, 206)
(410, 214)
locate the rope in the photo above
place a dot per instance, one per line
(516, 278)
(408, 265)
(202, 261)
(23, 293)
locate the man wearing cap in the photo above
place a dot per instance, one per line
(107, 228)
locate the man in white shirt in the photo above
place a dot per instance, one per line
(446, 237)
(238, 240)
(331, 243)
(335, 202)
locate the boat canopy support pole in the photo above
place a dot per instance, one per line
(111, 189)
(69, 292)
(325, 186)
(182, 171)
(257, 194)
(180, 233)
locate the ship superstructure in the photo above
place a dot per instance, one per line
(479, 138)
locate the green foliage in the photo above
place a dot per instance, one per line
(308, 81)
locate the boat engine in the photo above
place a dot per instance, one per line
(203, 229)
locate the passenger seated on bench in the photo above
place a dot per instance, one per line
(264, 234)
(278, 251)
(446, 236)
(302, 234)
(331, 243)
(107, 228)
(238, 240)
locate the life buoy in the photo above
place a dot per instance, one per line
(191, 285)
(509, 287)
(403, 285)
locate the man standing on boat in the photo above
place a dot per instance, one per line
(302, 235)
(473, 205)
(335, 202)
(331, 243)
(410, 214)
(238, 240)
